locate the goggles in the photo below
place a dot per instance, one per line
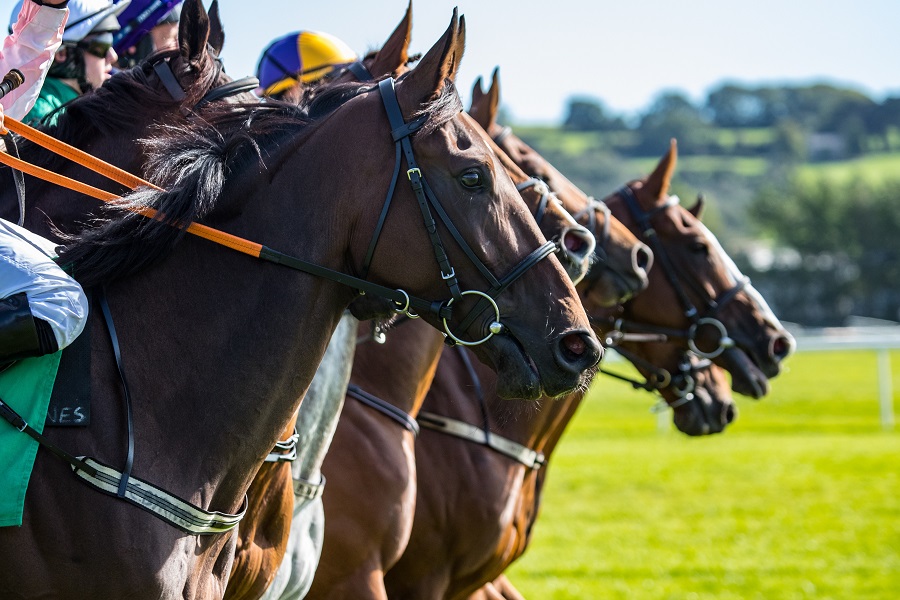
(96, 46)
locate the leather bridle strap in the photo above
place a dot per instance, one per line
(541, 188)
(643, 218)
(360, 71)
(232, 88)
(591, 211)
(398, 297)
(400, 131)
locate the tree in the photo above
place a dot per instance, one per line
(585, 114)
(672, 115)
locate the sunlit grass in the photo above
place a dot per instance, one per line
(800, 498)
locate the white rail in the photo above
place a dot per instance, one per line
(882, 339)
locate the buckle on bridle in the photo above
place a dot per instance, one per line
(417, 171)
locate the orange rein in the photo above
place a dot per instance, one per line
(111, 172)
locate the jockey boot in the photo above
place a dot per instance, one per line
(21, 334)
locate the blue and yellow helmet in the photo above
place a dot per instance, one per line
(302, 56)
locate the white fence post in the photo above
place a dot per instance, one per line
(885, 389)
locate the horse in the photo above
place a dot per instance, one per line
(657, 343)
(363, 540)
(450, 553)
(250, 335)
(280, 538)
(166, 90)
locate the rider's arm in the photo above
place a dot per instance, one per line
(30, 48)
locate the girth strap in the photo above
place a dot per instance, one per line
(171, 509)
(514, 450)
(307, 489)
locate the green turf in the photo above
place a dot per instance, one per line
(800, 498)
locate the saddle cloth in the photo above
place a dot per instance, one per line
(26, 387)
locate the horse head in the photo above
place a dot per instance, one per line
(620, 261)
(696, 301)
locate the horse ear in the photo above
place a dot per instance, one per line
(494, 94)
(193, 31)
(697, 208)
(659, 181)
(479, 109)
(438, 66)
(395, 52)
(216, 31)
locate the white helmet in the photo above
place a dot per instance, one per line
(85, 16)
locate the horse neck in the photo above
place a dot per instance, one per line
(247, 348)
(321, 406)
(401, 370)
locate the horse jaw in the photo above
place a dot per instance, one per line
(746, 378)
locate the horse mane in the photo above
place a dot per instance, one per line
(193, 162)
(113, 107)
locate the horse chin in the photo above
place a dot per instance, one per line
(517, 375)
(705, 415)
(746, 378)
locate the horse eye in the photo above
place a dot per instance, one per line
(699, 248)
(470, 179)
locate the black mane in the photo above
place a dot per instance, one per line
(193, 163)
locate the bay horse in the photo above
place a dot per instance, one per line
(280, 538)
(207, 323)
(453, 554)
(369, 504)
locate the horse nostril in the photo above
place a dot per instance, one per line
(578, 242)
(578, 351)
(642, 258)
(574, 344)
(729, 414)
(781, 347)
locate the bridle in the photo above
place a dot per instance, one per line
(712, 305)
(683, 382)
(401, 132)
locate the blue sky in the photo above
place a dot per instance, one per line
(622, 52)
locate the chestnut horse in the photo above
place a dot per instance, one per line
(453, 554)
(205, 323)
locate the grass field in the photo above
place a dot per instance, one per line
(800, 498)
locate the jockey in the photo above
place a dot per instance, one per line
(299, 59)
(162, 36)
(42, 309)
(85, 59)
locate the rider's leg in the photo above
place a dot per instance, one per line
(42, 309)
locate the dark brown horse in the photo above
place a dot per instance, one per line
(167, 90)
(280, 537)
(220, 348)
(451, 554)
